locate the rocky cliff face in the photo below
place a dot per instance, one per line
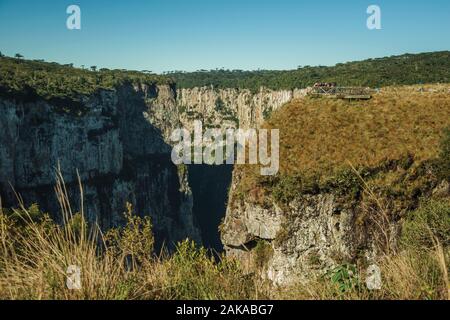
(119, 141)
(305, 238)
(222, 108)
(313, 233)
(116, 141)
(231, 108)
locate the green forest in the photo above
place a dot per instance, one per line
(28, 79)
(395, 70)
(20, 78)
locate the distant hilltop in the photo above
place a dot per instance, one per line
(407, 69)
(49, 79)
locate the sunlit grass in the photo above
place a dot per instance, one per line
(320, 137)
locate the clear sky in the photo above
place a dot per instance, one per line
(162, 35)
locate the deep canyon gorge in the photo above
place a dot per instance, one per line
(118, 142)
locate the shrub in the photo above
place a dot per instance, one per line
(191, 273)
(345, 277)
(262, 253)
(287, 188)
(135, 241)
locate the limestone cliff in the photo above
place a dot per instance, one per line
(231, 108)
(116, 141)
(305, 238)
(310, 235)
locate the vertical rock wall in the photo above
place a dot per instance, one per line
(116, 142)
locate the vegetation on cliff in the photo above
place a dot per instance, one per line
(393, 141)
(394, 146)
(405, 69)
(35, 254)
(26, 79)
(387, 161)
(410, 146)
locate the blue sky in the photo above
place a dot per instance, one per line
(162, 35)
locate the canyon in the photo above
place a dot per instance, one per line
(118, 142)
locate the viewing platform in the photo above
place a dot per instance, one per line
(334, 92)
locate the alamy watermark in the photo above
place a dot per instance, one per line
(374, 20)
(373, 278)
(229, 146)
(73, 22)
(73, 280)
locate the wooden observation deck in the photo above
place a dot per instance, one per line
(334, 92)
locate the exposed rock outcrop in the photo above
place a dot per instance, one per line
(223, 108)
(231, 108)
(116, 141)
(307, 237)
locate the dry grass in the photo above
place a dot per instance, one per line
(397, 136)
(409, 275)
(321, 135)
(318, 137)
(35, 254)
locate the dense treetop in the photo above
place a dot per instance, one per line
(28, 79)
(395, 70)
